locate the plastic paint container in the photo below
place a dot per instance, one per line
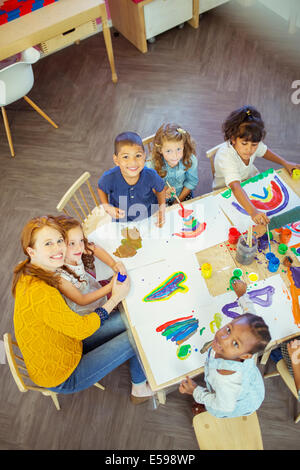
(270, 255)
(206, 270)
(296, 174)
(253, 277)
(237, 272)
(285, 235)
(273, 264)
(244, 253)
(233, 235)
(282, 249)
(232, 279)
(263, 242)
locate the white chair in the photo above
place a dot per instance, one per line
(19, 372)
(16, 80)
(211, 155)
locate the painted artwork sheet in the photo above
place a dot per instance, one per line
(201, 225)
(172, 342)
(267, 192)
(165, 288)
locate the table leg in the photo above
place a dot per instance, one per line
(161, 395)
(109, 49)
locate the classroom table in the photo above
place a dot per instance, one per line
(222, 259)
(50, 21)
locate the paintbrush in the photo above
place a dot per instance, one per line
(206, 346)
(174, 194)
(269, 238)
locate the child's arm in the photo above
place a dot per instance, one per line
(191, 179)
(273, 157)
(184, 193)
(100, 253)
(161, 199)
(240, 288)
(279, 221)
(294, 353)
(257, 216)
(74, 294)
(114, 212)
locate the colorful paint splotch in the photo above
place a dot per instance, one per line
(179, 330)
(274, 199)
(217, 321)
(171, 286)
(192, 228)
(295, 228)
(255, 296)
(184, 351)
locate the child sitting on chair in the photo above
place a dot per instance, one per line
(129, 191)
(234, 385)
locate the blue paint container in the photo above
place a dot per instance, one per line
(273, 264)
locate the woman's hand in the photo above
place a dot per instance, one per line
(120, 289)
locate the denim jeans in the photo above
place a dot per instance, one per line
(103, 352)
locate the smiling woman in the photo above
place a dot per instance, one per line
(64, 351)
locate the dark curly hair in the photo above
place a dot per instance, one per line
(245, 123)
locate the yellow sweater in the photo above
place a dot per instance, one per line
(48, 333)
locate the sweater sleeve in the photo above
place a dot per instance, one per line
(49, 303)
(191, 175)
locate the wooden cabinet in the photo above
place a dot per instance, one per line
(141, 21)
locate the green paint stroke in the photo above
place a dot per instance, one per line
(201, 331)
(184, 351)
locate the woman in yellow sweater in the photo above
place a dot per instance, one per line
(63, 351)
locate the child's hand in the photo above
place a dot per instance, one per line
(114, 212)
(119, 267)
(187, 386)
(259, 217)
(290, 166)
(239, 287)
(120, 289)
(170, 192)
(260, 229)
(294, 351)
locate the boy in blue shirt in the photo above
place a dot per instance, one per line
(129, 191)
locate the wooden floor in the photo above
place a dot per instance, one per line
(192, 77)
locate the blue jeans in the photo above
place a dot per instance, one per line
(103, 352)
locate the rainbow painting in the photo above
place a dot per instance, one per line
(179, 331)
(192, 228)
(267, 192)
(171, 286)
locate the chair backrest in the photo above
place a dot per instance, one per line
(211, 154)
(16, 80)
(80, 197)
(286, 377)
(17, 365)
(241, 433)
(148, 144)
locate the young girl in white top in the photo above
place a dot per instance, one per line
(80, 289)
(173, 157)
(244, 131)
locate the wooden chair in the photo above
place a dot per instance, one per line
(241, 433)
(80, 201)
(283, 371)
(16, 364)
(211, 155)
(148, 144)
(16, 80)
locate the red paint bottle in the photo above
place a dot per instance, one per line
(233, 235)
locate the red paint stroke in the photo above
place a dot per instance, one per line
(165, 325)
(185, 212)
(192, 234)
(273, 203)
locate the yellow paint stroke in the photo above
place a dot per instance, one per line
(217, 321)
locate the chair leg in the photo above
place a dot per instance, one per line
(7, 129)
(55, 400)
(44, 115)
(99, 386)
(297, 419)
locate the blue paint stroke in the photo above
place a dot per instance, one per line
(255, 297)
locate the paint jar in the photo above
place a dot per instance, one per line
(270, 255)
(237, 272)
(296, 174)
(244, 253)
(285, 235)
(273, 264)
(263, 242)
(233, 235)
(232, 280)
(253, 277)
(282, 249)
(206, 270)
